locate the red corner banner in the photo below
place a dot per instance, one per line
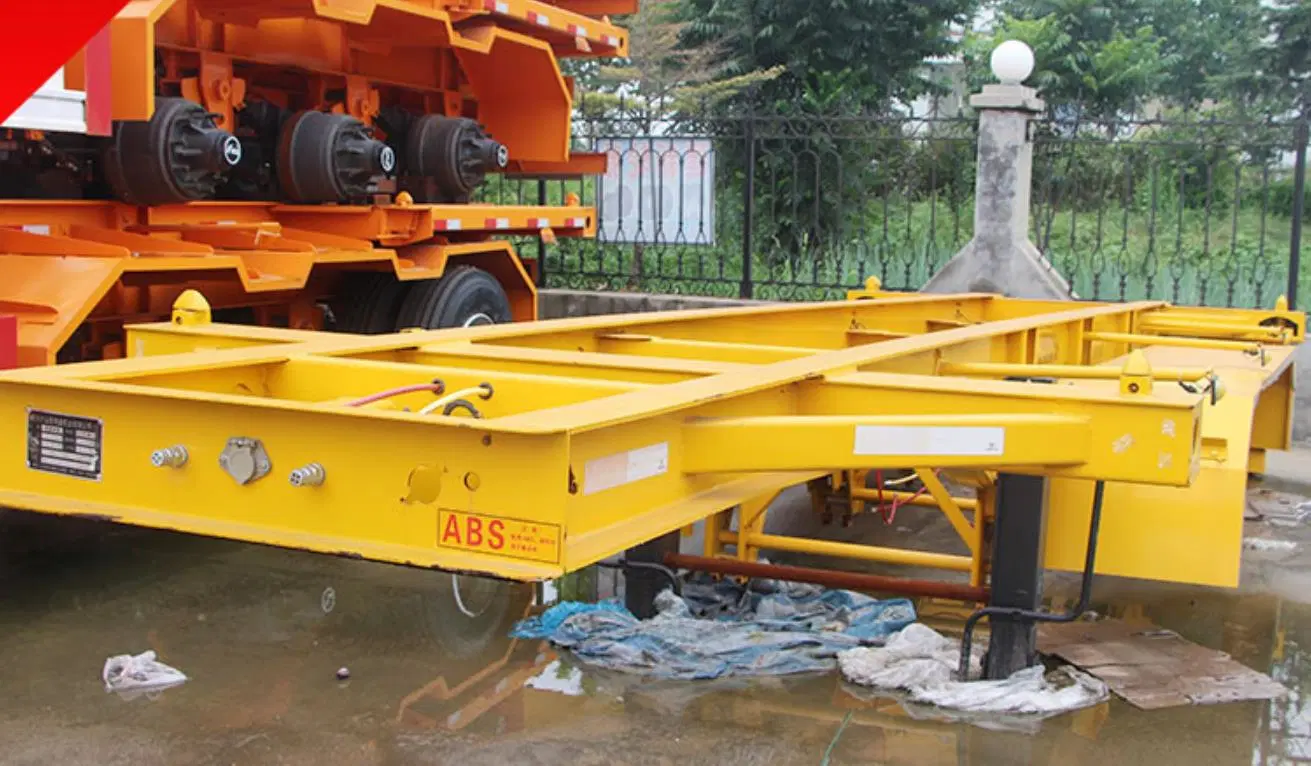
(39, 37)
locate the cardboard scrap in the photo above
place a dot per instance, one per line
(1278, 508)
(1154, 668)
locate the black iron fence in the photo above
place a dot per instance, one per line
(1191, 211)
(1194, 212)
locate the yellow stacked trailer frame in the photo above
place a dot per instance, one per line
(526, 452)
(89, 266)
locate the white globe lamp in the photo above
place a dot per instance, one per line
(1012, 62)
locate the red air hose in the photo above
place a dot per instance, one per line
(436, 387)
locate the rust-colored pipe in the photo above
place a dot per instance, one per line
(830, 578)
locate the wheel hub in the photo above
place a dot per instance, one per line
(326, 157)
(231, 151)
(454, 154)
(387, 159)
(179, 155)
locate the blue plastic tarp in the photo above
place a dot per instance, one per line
(719, 629)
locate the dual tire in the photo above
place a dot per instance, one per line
(465, 613)
(464, 297)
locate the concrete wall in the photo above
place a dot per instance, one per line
(557, 304)
(1302, 397)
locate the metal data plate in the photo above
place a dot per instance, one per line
(68, 445)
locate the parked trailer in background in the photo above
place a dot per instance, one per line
(304, 164)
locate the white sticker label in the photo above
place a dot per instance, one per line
(930, 440)
(625, 468)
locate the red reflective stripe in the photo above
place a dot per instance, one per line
(8, 341)
(38, 38)
(99, 96)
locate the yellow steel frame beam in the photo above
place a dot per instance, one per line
(599, 433)
(852, 485)
(1069, 371)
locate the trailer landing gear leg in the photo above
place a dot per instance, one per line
(643, 583)
(1017, 564)
(1017, 577)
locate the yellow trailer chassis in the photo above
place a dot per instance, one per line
(596, 434)
(528, 451)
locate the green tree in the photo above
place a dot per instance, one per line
(1089, 62)
(1287, 57)
(847, 53)
(664, 74)
(1104, 59)
(835, 60)
(1211, 47)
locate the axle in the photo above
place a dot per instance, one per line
(271, 154)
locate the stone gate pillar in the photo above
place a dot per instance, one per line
(1000, 258)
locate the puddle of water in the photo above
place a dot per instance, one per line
(261, 633)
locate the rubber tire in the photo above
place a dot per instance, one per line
(461, 636)
(461, 293)
(371, 304)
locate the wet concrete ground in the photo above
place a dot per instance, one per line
(261, 632)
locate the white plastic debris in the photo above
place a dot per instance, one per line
(1269, 545)
(923, 663)
(560, 678)
(131, 676)
(916, 656)
(1026, 692)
